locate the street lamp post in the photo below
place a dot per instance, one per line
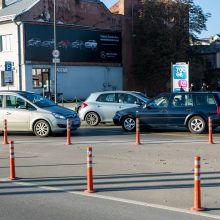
(55, 47)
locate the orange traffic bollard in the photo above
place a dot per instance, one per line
(5, 132)
(89, 171)
(210, 130)
(197, 190)
(12, 161)
(68, 140)
(138, 131)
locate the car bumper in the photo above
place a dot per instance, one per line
(116, 121)
(61, 125)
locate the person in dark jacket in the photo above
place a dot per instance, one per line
(204, 88)
(192, 87)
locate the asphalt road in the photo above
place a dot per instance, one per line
(153, 180)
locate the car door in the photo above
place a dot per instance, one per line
(18, 117)
(181, 105)
(155, 113)
(106, 106)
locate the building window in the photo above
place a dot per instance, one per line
(5, 43)
(40, 79)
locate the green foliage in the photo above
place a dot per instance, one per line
(162, 33)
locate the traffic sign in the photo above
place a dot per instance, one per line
(8, 66)
(56, 53)
(56, 60)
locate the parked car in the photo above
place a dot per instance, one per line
(186, 109)
(34, 42)
(27, 111)
(64, 44)
(101, 106)
(48, 43)
(77, 44)
(91, 44)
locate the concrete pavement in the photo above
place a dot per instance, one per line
(159, 171)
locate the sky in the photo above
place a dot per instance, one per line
(208, 6)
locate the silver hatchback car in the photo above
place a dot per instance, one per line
(102, 106)
(27, 111)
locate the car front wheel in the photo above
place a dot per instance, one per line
(197, 125)
(42, 128)
(129, 124)
(92, 118)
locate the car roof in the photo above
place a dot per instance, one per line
(15, 92)
(115, 91)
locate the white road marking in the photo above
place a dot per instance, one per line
(95, 195)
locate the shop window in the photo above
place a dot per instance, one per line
(40, 78)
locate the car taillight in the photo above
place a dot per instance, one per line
(218, 110)
(84, 104)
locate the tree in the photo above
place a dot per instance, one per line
(163, 29)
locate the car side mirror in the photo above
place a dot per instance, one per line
(21, 107)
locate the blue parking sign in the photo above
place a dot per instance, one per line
(8, 66)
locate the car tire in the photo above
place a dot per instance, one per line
(129, 123)
(197, 125)
(42, 128)
(92, 118)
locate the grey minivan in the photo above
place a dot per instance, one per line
(27, 111)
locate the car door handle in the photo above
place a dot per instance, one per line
(8, 113)
(188, 109)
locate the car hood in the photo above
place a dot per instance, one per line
(61, 110)
(130, 110)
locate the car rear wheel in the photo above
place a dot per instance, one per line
(197, 125)
(129, 124)
(42, 128)
(92, 118)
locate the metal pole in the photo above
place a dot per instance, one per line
(55, 47)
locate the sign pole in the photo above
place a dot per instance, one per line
(55, 47)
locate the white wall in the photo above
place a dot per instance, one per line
(6, 29)
(79, 81)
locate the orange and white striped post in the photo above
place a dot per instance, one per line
(5, 132)
(89, 171)
(138, 131)
(12, 161)
(68, 139)
(197, 190)
(210, 130)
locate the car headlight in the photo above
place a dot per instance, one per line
(59, 116)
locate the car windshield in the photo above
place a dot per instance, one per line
(142, 96)
(38, 100)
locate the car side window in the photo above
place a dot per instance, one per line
(205, 99)
(160, 102)
(1, 101)
(182, 100)
(110, 97)
(14, 102)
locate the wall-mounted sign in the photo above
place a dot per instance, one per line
(73, 45)
(180, 77)
(8, 75)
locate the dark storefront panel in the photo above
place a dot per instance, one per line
(75, 45)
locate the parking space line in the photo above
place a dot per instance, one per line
(95, 195)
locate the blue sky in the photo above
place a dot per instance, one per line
(211, 6)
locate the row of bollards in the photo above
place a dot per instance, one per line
(90, 189)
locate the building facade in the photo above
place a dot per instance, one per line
(78, 54)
